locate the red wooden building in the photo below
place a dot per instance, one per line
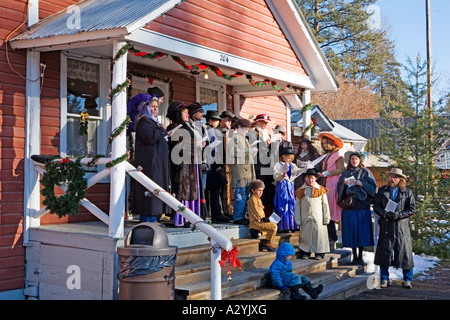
(259, 55)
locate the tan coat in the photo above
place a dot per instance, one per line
(312, 216)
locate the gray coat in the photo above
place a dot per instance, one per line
(394, 246)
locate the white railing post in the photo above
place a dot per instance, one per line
(118, 146)
(216, 281)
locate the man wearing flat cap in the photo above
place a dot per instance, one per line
(394, 204)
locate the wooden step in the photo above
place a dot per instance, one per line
(250, 278)
(330, 279)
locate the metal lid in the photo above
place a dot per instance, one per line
(147, 239)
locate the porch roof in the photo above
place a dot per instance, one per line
(104, 20)
(117, 17)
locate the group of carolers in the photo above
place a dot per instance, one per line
(201, 164)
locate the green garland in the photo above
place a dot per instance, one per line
(309, 106)
(64, 172)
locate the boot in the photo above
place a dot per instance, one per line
(312, 292)
(265, 245)
(295, 294)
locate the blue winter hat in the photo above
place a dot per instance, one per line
(285, 249)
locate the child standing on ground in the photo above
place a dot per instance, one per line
(314, 217)
(257, 218)
(284, 203)
(287, 281)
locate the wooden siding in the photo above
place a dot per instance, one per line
(271, 106)
(12, 141)
(12, 135)
(243, 28)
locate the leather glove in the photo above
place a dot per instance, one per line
(265, 219)
(392, 216)
(284, 290)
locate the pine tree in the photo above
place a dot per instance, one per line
(406, 136)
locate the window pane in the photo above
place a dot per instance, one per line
(81, 145)
(209, 96)
(83, 87)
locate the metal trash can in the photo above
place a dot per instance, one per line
(146, 264)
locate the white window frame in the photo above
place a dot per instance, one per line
(104, 129)
(220, 87)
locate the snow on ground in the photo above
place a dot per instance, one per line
(422, 263)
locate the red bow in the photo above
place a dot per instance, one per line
(231, 257)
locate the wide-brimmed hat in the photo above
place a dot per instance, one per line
(262, 117)
(155, 93)
(280, 128)
(195, 107)
(337, 141)
(397, 172)
(211, 114)
(363, 155)
(174, 107)
(311, 172)
(227, 113)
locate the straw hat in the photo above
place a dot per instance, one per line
(337, 141)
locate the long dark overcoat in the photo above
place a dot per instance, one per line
(394, 246)
(152, 154)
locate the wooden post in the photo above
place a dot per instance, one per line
(31, 192)
(118, 147)
(306, 114)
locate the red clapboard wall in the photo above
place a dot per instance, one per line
(243, 28)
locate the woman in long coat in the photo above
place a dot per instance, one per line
(152, 154)
(184, 167)
(357, 231)
(314, 217)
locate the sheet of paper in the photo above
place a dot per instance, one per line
(274, 218)
(391, 206)
(255, 143)
(174, 129)
(351, 181)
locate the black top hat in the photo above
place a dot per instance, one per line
(195, 107)
(155, 92)
(211, 114)
(312, 172)
(227, 113)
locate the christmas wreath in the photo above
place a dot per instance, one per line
(63, 172)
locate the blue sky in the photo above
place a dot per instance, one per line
(407, 22)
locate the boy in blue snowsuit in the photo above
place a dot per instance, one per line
(283, 277)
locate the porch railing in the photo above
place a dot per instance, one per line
(217, 240)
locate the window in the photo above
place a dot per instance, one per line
(211, 96)
(84, 88)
